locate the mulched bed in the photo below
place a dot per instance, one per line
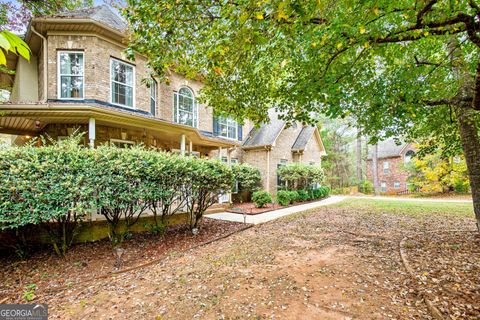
(250, 208)
(447, 267)
(83, 261)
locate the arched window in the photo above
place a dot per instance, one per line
(185, 109)
(408, 155)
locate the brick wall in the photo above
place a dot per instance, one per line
(395, 173)
(97, 55)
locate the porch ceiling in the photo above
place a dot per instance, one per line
(32, 118)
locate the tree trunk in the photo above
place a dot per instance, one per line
(375, 169)
(471, 149)
(359, 156)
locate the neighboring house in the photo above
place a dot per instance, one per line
(392, 177)
(79, 78)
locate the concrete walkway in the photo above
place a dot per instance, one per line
(272, 215)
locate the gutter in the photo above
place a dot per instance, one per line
(45, 64)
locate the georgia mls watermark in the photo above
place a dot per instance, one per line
(23, 312)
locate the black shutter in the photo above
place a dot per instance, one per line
(216, 127)
(240, 132)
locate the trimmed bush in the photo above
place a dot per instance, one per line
(283, 197)
(303, 195)
(261, 198)
(247, 177)
(57, 185)
(50, 186)
(293, 196)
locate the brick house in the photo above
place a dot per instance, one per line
(79, 78)
(392, 177)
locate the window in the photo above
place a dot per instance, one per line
(386, 167)
(122, 83)
(153, 97)
(234, 161)
(70, 74)
(227, 128)
(408, 155)
(383, 186)
(281, 185)
(185, 107)
(396, 184)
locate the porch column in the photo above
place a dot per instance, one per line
(220, 153)
(182, 145)
(190, 149)
(91, 132)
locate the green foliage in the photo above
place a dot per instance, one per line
(300, 175)
(321, 192)
(366, 187)
(283, 197)
(293, 196)
(261, 198)
(206, 180)
(247, 176)
(50, 186)
(58, 184)
(303, 195)
(29, 293)
(10, 42)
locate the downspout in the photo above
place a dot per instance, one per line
(45, 63)
(268, 170)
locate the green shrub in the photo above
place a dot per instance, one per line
(261, 198)
(303, 195)
(293, 196)
(58, 184)
(247, 177)
(50, 186)
(300, 176)
(365, 187)
(283, 197)
(206, 179)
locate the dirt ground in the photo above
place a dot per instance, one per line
(339, 262)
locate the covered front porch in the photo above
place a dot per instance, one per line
(106, 125)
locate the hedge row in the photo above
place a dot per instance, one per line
(285, 197)
(56, 186)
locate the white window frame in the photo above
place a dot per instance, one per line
(224, 121)
(396, 184)
(408, 158)
(59, 79)
(132, 86)
(383, 186)
(386, 167)
(176, 101)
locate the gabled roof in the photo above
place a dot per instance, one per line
(102, 14)
(303, 138)
(388, 149)
(266, 134)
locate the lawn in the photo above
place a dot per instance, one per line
(337, 262)
(414, 208)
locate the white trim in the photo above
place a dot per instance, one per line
(59, 80)
(133, 85)
(176, 114)
(226, 124)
